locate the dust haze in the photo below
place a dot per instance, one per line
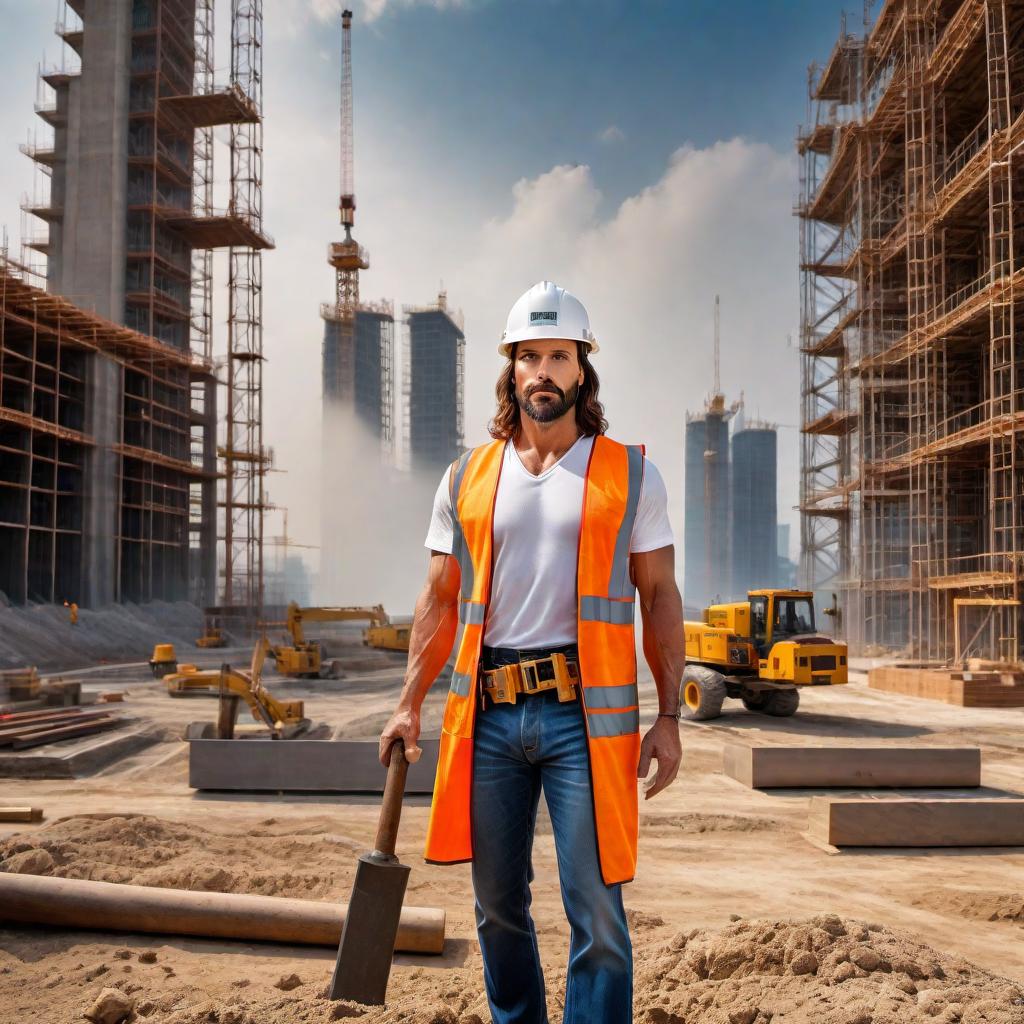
(374, 520)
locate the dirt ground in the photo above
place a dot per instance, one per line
(735, 917)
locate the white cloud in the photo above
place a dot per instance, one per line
(613, 133)
(717, 221)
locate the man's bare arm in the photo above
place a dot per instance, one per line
(664, 644)
(434, 625)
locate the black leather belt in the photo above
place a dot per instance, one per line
(495, 657)
(506, 672)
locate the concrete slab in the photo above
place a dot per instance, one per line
(72, 759)
(855, 821)
(322, 766)
(852, 767)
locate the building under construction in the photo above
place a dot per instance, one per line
(911, 260)
(358, 365)
(114, 367)
(433, 373)
(730, 515)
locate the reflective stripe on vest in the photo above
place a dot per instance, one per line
(611, 496)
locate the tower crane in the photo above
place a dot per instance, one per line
(347, 257)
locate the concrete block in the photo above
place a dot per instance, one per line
(856, 767)
(845, 822)
(323, 766)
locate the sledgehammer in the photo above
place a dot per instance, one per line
(368, 938)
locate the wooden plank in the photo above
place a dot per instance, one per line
(21, 814)
(9, 734)
(65, 732)
(870, 767)
(908, 822)
(964, 689)
(333, 766)
(8, 725)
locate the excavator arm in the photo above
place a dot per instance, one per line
(297, 616)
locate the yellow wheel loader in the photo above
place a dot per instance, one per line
(761, 651)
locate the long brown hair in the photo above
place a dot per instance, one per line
(589, 411)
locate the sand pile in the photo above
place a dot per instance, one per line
(980, 904)
(139, 849)
(823, 970)
(42, 635)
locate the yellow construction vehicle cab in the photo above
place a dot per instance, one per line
(392, 636)
(164, 660)
(282, 717)
(760, 651)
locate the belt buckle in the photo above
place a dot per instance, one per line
(528, 674)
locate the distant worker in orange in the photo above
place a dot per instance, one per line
(543, 542)
(72, 612)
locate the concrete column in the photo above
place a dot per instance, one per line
(93, 255)
(104, 392)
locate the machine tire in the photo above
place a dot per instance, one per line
(756, 700)
(782, 703)
(701, 693)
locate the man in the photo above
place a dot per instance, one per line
(539, 541)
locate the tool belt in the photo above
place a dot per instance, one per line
(552, 672)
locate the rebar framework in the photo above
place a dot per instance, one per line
(911, 269)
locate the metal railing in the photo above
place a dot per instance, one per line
(985, 563)
(965, 150)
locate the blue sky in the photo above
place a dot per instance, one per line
(640, 153)
(529, 84)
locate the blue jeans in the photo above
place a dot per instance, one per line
(519, 749)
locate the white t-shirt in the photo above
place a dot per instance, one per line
(536, 534)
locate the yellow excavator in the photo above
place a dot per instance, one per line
(304, 658)
(282, 717)
(761, 651)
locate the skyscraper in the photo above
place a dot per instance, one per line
(753, 512)
(433, 384)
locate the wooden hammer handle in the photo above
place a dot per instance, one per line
(391, 806)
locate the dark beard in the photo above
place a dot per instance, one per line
(549, 411)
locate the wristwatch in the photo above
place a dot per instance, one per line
(670, 714)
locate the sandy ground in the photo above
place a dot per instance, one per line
(735, 917)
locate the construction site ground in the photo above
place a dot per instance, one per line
(728, 903)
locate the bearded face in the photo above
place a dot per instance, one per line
(546, 402)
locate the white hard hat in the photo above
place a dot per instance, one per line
(547, 311)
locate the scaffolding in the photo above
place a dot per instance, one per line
(911, 271)
(48, 353)
(246, 461)
(162, 284)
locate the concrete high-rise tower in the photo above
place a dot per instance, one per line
(753, 511)
(130, 228)
(706, 508)
(433, 372)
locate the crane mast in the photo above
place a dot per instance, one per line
(347, 257)
(347, 203)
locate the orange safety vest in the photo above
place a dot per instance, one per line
(607, 650)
